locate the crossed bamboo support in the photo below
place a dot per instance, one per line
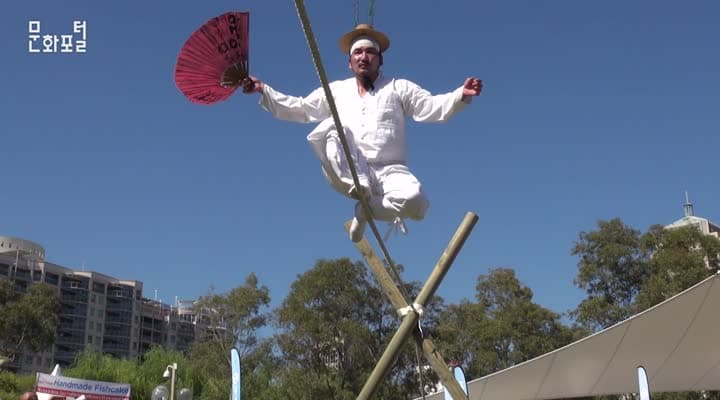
(409, 325)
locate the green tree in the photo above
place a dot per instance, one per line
(143, 375)
(463, 337)
(233, 319)
(682, 257)
(334, 326)
(625, 271)
(13, 385)
(28, 319)
(519, 328)
(260, 371)
(709, 395)
(502, 329)
(613, 266)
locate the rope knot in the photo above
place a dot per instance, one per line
(416, 307)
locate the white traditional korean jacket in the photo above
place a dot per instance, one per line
(376, 120)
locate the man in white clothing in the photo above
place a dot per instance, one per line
(372, 109)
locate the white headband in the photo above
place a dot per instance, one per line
(364, 41)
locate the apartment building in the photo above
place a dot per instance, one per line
(173, 327)
(97, 311)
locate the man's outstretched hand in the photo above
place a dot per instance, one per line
(472, 87)
(252, 84)
(236, 76)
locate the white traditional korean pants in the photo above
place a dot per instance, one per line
(394, 190)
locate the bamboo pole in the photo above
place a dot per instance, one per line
(381, 274)
(389, 356)
(447, 258)
(399, 301)
(437, 363)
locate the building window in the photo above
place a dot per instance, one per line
(99, 288)
(92, 298)
(52, 279)
(23, 274)
(90, 339)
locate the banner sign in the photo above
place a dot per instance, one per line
(72, 387)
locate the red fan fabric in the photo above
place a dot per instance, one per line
(209, 51)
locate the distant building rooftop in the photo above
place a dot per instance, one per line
(690, 219)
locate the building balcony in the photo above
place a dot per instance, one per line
(81, 285)
(73, 309)
(77, 325)
(72, 342)
(73, 296)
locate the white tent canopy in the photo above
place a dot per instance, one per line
(677, 341)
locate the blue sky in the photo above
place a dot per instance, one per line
(591, 110)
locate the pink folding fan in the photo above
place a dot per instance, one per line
(222, 43)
